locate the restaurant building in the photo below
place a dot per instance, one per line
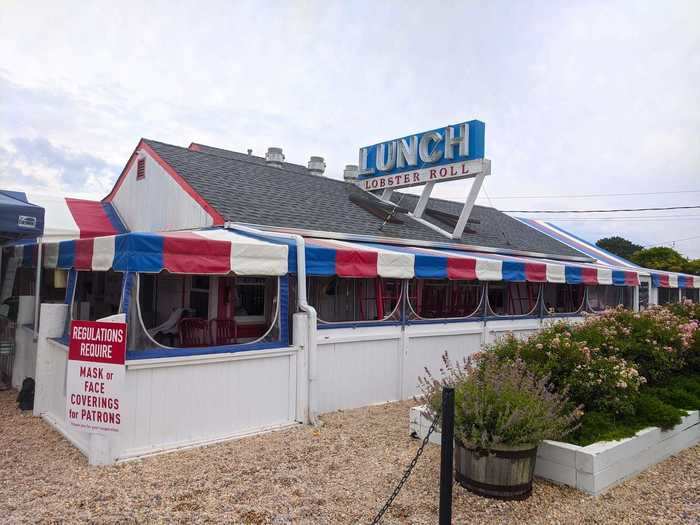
(260, 293)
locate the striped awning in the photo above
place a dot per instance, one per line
(674, 280)
(658, 279)
(431, 263)
(357, 259)
(68, 218)
(213, 251)
(65, 219)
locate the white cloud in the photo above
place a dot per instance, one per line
(577, 97)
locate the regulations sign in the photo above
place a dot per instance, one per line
(95, 376)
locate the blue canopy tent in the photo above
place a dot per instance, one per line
(19, 219)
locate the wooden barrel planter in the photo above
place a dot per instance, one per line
(502, 474)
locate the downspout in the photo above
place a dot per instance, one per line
(311, 362)
(37, 289)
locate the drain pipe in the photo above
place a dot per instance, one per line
(311, 361)
(37, 290)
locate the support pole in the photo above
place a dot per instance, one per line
(468, 205)
(423, 200)
(37, 289)
(446, 455)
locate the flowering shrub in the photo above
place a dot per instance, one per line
(606, 384)
(652, 339)
(592, 377)
(621, 366)
(500, 404)
(691, 354)
(686, 310)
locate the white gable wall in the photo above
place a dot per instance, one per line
(157, 202)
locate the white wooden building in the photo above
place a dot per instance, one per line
(259, 294)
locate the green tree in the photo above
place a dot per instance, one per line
(660, 258)
(693, 267)
(619, 246)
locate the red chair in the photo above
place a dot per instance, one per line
(193, 331)
(223, 331)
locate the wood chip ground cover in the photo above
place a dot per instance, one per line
(339, 473)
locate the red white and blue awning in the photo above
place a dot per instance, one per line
(370, 260)
(68, 218)
(674, 280)
(658, 279)
(217, 251)
(213, 251)
(325, 257)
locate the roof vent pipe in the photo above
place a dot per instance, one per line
(317, 165)
(351, 172)
(274, 157)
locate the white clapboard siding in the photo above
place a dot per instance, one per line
(157, 202)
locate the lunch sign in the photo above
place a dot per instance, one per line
(448, 153)
(95, 376)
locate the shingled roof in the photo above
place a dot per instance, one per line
(245, 189)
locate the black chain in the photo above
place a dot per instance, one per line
(404, 478)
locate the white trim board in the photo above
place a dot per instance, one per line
(599, 466)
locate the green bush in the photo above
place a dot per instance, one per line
(592, 378)
(629, 370)
(680, 391)
(649, 411)
(606, 384)
(686, 310)
(652, 339)
(691, 354)
(653, 412)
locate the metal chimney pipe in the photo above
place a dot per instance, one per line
(274, 157)
(317, 166)
(351, 172)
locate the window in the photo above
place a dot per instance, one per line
(199, 296)
(604, 296)
(561, 298)
(690, 294)
(250, 297)
(339, 299)
(24, 281)
(96, 295)
(643, 295)
(53, 285)
(440, 299)
(513, 298)
(141, 169)
(668, 295)
(201, 310)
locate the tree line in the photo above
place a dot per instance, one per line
(656, 258)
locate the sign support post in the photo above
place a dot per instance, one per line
(468, 206)
(423, 200)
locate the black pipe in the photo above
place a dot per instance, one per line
(446, 455)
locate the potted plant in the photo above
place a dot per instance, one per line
(502, 413)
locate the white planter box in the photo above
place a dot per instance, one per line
(597, 467)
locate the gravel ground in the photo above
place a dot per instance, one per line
(339, 473)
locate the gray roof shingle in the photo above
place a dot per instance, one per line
(244, 188)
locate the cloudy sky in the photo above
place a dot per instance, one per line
(579, 98)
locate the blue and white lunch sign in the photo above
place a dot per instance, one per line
(445, 154)
(448, 153)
